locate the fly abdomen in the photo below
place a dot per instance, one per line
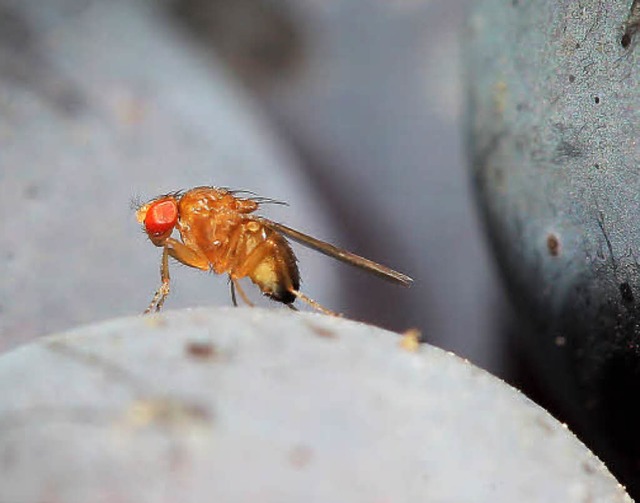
(271, 265)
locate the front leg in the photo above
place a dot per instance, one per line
(182, 253)
(162, 292)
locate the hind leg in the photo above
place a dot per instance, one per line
(315, 305)
(235, 285)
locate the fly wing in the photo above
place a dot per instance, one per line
(338, 253)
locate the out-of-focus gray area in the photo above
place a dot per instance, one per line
(251, 405)
(349, 111)
(376, 113)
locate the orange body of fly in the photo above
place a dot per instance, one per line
(220, 232)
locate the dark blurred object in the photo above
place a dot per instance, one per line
(554, 102)
(23, 63)
(260, 40)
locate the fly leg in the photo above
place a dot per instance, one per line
(242, 293)
(313, 303)
(236, 285)
(232, 250)
(162, 292)
(182, 253)
(232, 284)
(257, 256)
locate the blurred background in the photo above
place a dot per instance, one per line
(349, 111)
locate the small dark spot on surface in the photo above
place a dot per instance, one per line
(578, 46)
(201, 350)
(588, 468)
(544, 424)
(626, 292)
(625, 41)
(322, 331)
(596, 165)
(572, 78)
(300, 456)
(596, 99)
(553, 245)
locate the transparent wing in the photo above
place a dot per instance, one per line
(338, 253)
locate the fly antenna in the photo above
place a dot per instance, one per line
(135, 202)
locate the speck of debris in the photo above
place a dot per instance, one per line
(155, 320)
(572, 78)
(322, 331)
(544, 424)
(166, 413)
(596, 99)
(201, 350)
(553, 245)
(410, 340)
(626, 40)
(560, 341)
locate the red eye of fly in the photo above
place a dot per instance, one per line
(161, 217)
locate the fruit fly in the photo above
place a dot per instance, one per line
(219, 232)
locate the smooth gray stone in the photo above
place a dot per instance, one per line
(232, 405)
(553, 137)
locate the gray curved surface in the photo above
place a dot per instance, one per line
(257, 405)
(553, 129)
